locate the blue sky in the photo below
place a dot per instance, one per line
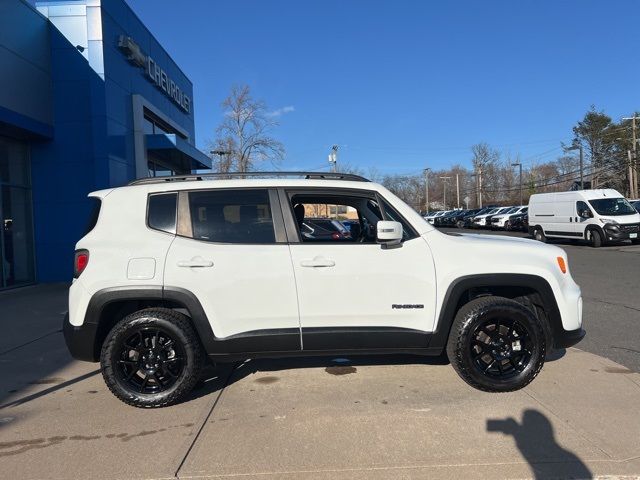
(401, 85)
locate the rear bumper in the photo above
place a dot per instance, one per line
(80, 340)
(568, 338)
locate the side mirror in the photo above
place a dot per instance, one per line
(389, 234)
(585, 214)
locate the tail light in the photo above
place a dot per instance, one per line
(336, 236)
(80, 262)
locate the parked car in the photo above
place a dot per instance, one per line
(177, 270)
(446, 219)
(433, 215)
(330, 225)
(518, 222)
(635, 204)
(503, 220)
(597, 216)
(484, 220)
(468, 219)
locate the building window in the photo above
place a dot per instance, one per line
(16, 218)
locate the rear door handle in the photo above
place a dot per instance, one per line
(196, 262)
(317, 262)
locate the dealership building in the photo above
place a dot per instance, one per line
(88, 100)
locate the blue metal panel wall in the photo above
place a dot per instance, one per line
(25, 64)
(66, 169)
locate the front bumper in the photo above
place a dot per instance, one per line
(621, 232)
(81, 341)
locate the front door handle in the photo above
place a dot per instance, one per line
(196, 262)
(317, 262)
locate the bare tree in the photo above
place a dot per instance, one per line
(245, 133)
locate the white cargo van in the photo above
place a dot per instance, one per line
(597, 216)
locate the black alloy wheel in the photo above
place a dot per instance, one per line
(501, 347)
(152, 358)
(496, 344)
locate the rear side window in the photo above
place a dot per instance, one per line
(161, 214)
(232, 216)
(95, 213)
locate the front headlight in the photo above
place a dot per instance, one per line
(608, 220)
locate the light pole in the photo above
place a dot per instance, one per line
(426, 189)
(579, 147)
(519, 165)
(444, 181)
(333, 158)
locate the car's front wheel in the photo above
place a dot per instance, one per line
(496, 344)
(152, 358)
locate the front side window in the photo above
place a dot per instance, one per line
(323, 218)
(232, 216)
(612, 206)
(581, 208)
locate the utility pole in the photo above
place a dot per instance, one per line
(333, 158)
(519, 164)
(579, 147)
(445, 181)
(458, 188)
(633, 161)
(480, 187)
(426, 189)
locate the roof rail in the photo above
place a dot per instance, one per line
(231, 175)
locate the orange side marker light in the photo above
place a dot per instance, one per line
(562, 264)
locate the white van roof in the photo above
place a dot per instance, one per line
(584, 194)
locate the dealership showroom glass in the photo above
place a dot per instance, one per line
(89, 100)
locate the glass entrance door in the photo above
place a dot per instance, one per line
(16, 218)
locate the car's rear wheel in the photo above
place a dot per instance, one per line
(539, 235)
(496, 344)
(152, 358)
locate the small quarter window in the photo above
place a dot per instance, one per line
(232, 216)
(162, 212)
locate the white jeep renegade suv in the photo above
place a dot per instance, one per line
(180, 269)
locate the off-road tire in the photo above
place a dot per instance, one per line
(476, 313)
(594, 238)
(181, 331)
(539, 235)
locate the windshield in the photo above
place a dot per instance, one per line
(612, 206)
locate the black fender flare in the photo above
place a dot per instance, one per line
(460, 286)
(177, 296)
